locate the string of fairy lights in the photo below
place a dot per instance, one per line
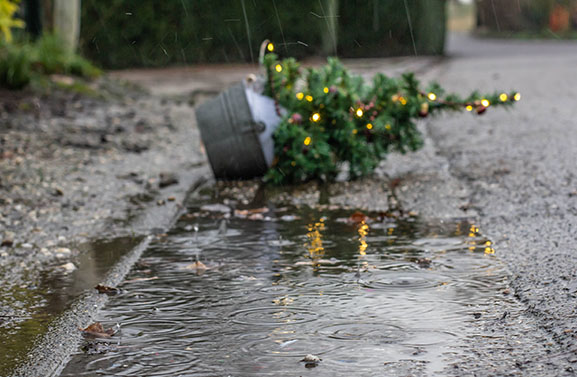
(479, 106)
(386, 116)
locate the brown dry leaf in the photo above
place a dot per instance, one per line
(358, 217)
(107, 290)
(248, 212)
(197, 266)
(96, 330)
(256, 216)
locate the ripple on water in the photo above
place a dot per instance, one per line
(273, 316)
(403, 280)
(278, 291)
(159, 362)
(364, 331)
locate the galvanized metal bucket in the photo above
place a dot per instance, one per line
(236, 128)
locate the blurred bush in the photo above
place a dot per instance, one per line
(49, 55)
(120, 34)
(21, 62)
(15, 66)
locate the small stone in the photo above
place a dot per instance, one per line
(7, 242)
(68, 267)
(311, 361)
(27, 246)
(8, 239)
(167, 179)
(216, 208)
(63, 250)
(171, 198)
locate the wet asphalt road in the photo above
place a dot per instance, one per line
(516, 172)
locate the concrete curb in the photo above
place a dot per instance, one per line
(52, 352)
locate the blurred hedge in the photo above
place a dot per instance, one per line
(131, 33)
(382, 28)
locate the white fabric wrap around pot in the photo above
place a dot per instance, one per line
(236, 129)
(263, 111)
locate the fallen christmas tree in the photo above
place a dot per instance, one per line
(335, 119)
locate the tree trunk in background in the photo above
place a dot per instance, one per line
(429, 25)
(67, 22)
(330, 9)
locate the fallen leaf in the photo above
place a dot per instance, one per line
(358, 217)
(96, 330)
(248, 212)
(107, 290)
(197, 266)
(256, 216)
(424, 262)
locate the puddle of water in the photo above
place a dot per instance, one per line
(34, 306)
(363, 297)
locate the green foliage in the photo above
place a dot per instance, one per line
(336, 119)
(14, 66)
(49, 55)
(20, 62)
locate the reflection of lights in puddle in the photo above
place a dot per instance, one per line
(283, 301)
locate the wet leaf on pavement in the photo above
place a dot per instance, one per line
(96, 330)
(107, 290)
(358, 217)
(242, 213)
(197, 266)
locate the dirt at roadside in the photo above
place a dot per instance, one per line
(75, 167)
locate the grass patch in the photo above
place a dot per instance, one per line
(21, 63)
